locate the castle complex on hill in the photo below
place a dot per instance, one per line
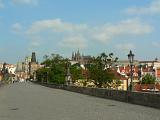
(78, 58)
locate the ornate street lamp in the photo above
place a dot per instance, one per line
(131, 59)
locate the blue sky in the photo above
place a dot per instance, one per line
(93, 26)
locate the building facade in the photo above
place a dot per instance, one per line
(25, 70)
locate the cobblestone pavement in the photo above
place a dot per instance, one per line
(28, 101)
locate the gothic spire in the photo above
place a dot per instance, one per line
(72, 55)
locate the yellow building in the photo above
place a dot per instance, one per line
(1, 77)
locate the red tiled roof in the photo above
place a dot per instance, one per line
(118, 75)
(158, 73)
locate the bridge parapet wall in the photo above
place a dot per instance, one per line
(140, 98)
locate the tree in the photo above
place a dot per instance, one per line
(148, 79)
(41, 74)
(45, 57)
(100, 70)
(76, 72)
(101, 77)
(54, 69)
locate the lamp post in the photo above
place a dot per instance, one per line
(131, 59)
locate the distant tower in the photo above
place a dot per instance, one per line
(33, 59)
(78, 55)
(75, 57)
(72, 55)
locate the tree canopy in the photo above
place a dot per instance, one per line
(99, 70)
(54, 69)
(148, 79)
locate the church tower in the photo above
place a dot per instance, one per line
(33, 59)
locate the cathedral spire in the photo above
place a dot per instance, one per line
(72, 55)
(78, 55)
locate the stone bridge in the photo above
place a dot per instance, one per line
(28, 101)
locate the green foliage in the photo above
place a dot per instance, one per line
(41, 74)
(98, 71)
(54, 69)
(100, 76)
(148, 79)
(76, 72)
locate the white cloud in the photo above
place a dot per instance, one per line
(1, 4)
(152, 8)
(17, 27)
(73, 42)
(69, 35)
(126, 27)
(25, 2)
(125, 47)
(156, 44)
(56, 25)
